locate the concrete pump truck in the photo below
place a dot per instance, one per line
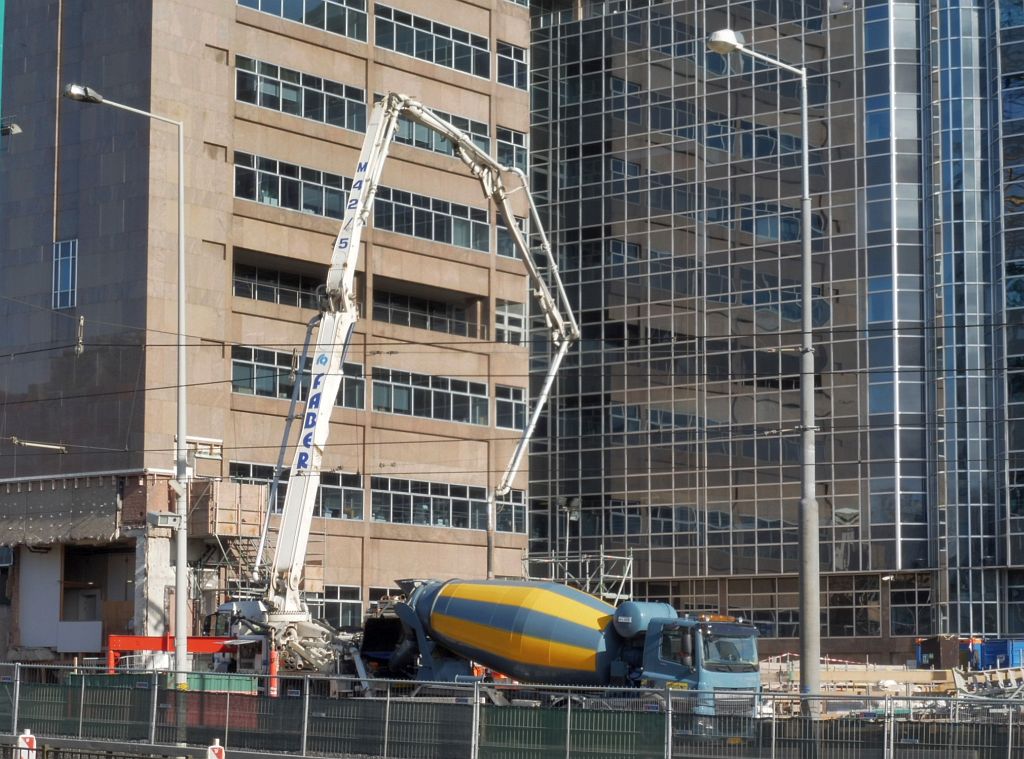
(536, 632)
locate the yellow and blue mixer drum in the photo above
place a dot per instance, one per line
(540, 632)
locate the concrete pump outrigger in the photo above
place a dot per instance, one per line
(301, 642)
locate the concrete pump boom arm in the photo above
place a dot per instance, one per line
(340, 313)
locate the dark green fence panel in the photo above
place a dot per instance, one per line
(522, 732)
(617, 734)
(48, 709)
(421, 729)
(346, 726)
(113, 710)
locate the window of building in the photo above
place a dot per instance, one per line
(623, 259)
(509, 322)
(510, 407)
(432, 397)
(344, 17)
(422, 313)
(65, 274)
(510, 512)
(505, 244)
(620, 171)
(376, 597)
(625, 99)
(512, 149)
(340, 495)
(408, 213)
(276, 183)
(512, 66)
(910, 601)
(274, 286)
(419, 136)
(623, 519)
(432, 41)
(852, 606)
(765, 603)
(340, 606)
(273, 374)
(250, 474)
(441, 504)
(289, 91)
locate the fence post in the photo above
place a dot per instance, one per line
(775, 705)
(1009, 736)
(227, 718)
(889, 733)
(568, 725)
(387, 718)
(305, 713)
(17, 698)
(474, 744)
(668, 722)
(155, 687)
(81, 704)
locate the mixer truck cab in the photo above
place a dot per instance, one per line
(714, 656)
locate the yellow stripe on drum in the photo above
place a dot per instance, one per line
(524, 649)
(535, 599)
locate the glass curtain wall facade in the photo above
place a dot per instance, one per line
(3, 13)
(670, 180)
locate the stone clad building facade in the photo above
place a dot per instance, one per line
(274, 98)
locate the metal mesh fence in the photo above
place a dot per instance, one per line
(347, 726)
(521, 732)
(404, 720)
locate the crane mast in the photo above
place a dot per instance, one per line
(303, 642)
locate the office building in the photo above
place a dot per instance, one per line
(671, 181)
(273, 96)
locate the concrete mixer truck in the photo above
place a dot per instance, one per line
(544, 633)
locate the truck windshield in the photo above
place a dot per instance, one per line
(729, 653)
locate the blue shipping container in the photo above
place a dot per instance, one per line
(1005, 652)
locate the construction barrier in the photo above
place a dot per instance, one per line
(407, 720)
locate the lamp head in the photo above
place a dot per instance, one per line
(81, 93)
(725, 41)
(9, 128)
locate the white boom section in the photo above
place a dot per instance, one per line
(559, 321)
(341, 313)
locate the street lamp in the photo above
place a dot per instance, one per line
(84, 94)
(727, 41)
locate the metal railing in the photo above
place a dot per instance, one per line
(314, 716)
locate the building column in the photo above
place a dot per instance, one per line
(154, 575)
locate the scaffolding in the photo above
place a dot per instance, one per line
(607, 576)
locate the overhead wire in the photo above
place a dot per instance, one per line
(870, 331)
(764, 381)
(205, 341)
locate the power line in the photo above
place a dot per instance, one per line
(202, 341)
(679, 380)
(869, 331)
(708, 435)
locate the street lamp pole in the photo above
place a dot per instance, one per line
(85, 94)
(726, 41)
